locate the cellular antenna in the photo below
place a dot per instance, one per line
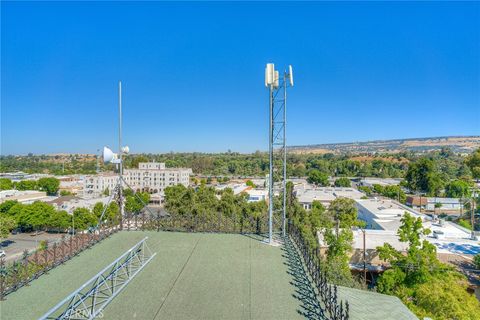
(290, 75)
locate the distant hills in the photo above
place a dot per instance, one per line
(460, 144)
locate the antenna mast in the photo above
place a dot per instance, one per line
(277, 140)
(120, 152)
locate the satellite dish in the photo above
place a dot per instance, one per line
(108, 155)
(126, 149)
(290, 74)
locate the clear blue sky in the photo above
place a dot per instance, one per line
(193, 73)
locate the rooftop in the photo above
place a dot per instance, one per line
(22, 196)
(326, 194)
(194, 276)
(385, 212)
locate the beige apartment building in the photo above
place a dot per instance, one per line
(152, 177)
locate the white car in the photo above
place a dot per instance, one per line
(2, 254)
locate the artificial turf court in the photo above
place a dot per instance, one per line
(193, 276)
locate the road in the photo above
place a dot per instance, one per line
(16, 244)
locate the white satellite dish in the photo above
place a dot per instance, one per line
(290, 74)
(126, 150)
(109, 156)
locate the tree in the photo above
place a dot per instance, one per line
(318, 178)
(250, 183)
(473, 162)
(423, 176)
(7, 224)
(26, 185)
(437, 205)
(457, 189)
(6, 184)
(83, 219)
(64, 193)
(50, 185)
(476, 260)
(345, 211)
(343, 182)
(136, 202)
(337, 262)
(422, 282)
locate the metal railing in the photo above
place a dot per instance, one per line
(30, 266)
(93, 296)
(216, 223)
(326, 293)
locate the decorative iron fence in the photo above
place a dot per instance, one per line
(216, 223)
(32, 265)
(327, 293)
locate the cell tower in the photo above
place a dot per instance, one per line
(277, 141)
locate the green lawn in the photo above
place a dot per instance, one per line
(193, 276)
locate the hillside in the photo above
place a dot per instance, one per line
(461, 144)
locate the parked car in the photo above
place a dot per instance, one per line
(2, 253)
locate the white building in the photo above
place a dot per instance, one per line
(152, 177)
(369, 182)
(383, 214)
(386, 214)
(255, 195)
(445, 204)
(383, 219)
(98, 184)
(26, 197)
(70, 203)
(325, 195)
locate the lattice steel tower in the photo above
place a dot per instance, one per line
(277, 142)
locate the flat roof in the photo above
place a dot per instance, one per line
(194, 276)
(327, 194)
(386, 213)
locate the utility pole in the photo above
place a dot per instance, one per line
(364, 257)
(284, 213)
(120, 165)
(472, 216)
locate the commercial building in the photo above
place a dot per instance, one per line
(386, 215)
(382, 214)
(370, 182)
(70, 203)
(254, 194)
(435, 204)
(151, 177)
(26, 197)
(325, 195)
(154, 177)
(383, 219)
(72, 183)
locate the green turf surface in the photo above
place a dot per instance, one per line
(193, 276)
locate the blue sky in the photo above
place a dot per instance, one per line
(193, 73)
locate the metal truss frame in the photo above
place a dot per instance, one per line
(278, 148)
(92, 297)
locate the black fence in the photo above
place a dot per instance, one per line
(213, 223)
(32, 265)
(327, 294)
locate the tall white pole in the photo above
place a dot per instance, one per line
(270, 184)
(120, 168)
(284, 216)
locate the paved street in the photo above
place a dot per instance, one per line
(17, 243)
